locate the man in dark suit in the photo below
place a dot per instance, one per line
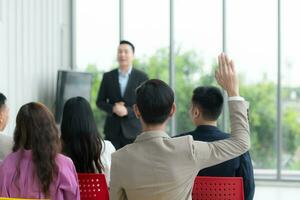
(116, 97)
(207, 103)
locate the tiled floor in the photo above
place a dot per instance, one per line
(277, 191)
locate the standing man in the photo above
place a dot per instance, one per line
(117, 95)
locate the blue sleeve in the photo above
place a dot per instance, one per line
(245, 170)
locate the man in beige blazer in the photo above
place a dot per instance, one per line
(5, 141)
(157, 167)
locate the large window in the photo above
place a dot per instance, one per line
(252, 42)
(97, 37)
(290, 65)
(97, 33)
(198, 41)
(146, 25)
(262, 39)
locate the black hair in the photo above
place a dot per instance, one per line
(129, 43)
(81, 140)
(154, 99)
(2, 100)
(210, 100)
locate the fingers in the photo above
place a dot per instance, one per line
(218, 77)
(232, 66)
(225, 64)
(220, 70)
(225, 70)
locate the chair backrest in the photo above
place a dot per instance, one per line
(218, 188)
(93, 187)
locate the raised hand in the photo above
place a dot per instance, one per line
(226, 75)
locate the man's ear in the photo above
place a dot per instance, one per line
(136, 111)
(173, 110)
(196, 112)
(1, 120)
(1, 116)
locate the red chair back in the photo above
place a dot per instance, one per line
(93, 187)
(218, 188)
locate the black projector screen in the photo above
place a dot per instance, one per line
(71, 84)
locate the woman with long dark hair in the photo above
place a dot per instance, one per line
(35, 169)
(81, 140)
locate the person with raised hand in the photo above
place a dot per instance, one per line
(156, 166)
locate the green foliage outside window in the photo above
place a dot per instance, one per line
(261, 95)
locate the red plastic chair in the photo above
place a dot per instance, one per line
(218, 188)
(93, 187)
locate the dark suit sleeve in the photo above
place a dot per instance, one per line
(102, 96)
(130, 111)
(246, 171)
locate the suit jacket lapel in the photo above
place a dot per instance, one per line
(130, 83)
(116, 83)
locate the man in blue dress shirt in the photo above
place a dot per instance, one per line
(116, 97)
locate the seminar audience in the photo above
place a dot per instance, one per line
(207, 105)
(35, 169)
(81, 140)
(5, 141)
(156, 166)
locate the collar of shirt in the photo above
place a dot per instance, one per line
(127, 73)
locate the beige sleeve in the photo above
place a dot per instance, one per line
(116, 191)
(207, 154)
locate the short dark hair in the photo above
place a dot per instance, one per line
(2, 100)
(154, 99)
(210, 100)
(129, 43)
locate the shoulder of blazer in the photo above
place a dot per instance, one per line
(139, 73)
(112, 72)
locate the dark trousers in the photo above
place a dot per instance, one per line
(121, 141)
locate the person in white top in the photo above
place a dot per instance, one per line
(5, 141)
(107, 149)
(81, 140)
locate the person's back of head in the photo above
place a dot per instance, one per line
(36, 131)
(80, 137)
(207, 104)
(154, 102)
(3, 112)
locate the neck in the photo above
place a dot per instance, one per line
(124, 68)
(207, 123)
(159, 127)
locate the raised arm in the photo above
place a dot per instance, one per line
(212, 153)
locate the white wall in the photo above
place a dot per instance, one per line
(34, 44)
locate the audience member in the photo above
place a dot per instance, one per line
(156, 166)
(35, 169)
(206, 107)
(81, 140)
(5, 141)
